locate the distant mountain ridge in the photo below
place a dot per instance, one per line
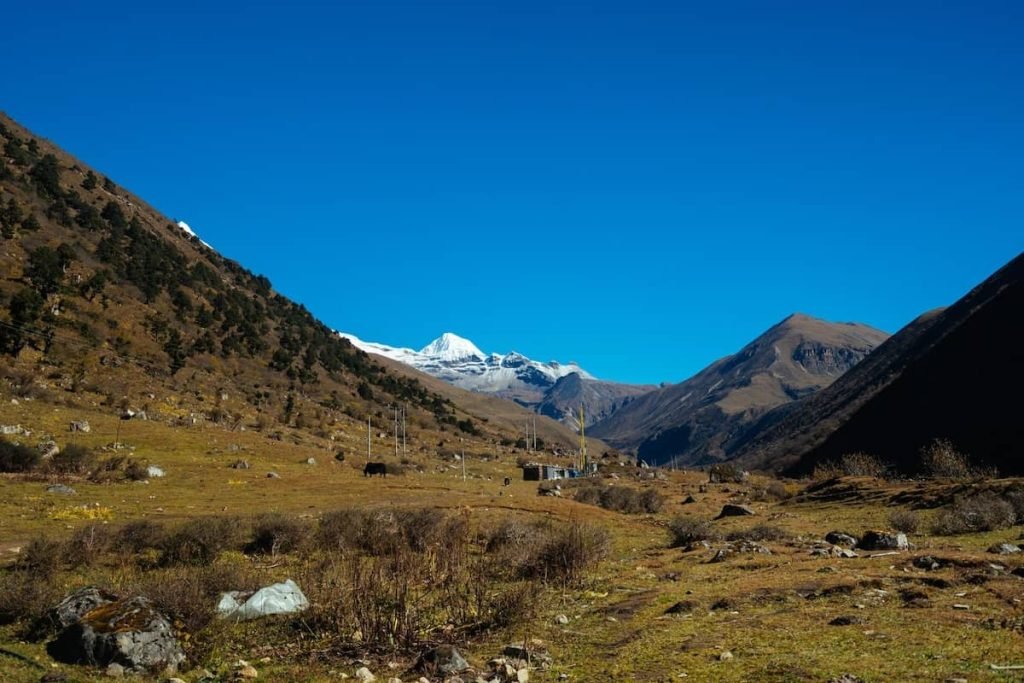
(554, 389)
(706, 417)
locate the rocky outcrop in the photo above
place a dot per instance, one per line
(130, 633)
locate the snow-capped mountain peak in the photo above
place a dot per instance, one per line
(452, 347)
(460, 362)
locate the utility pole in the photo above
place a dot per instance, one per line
(396, 431)
(367, 438)
(463, 449)
(404, 410)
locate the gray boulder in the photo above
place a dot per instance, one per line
(841, 539)
(734, 510)
(61, 489)
(131, 633)
(883, 540)
(1004, 549)
(74, 605)
(444, 660)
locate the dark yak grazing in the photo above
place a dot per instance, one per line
(373, 468)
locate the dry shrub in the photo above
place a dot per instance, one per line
(686, 530)
(862, 465)
(274, 533)
(906, 521)
(759, 533)
(199, 541)
(773, 490)
(982, 511)
(138, 536)
(620, 498)
(26, 596)
(825, 471)
(73, 459)
(88, 545)
(1015, 497)
(42, 556)
(189, 595)
(135, 471)
(422, 528)
(516, 604)
(941, 460)
(338, 529)
(18, 458)
(569, 551)
(512, 534)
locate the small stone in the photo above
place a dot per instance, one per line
(734, 510)
(394, 680)
(562, 619)
(175, 680)
(846, 620)
(363, 675)
(310, 461)
(841, 539)
(522, 676)
(960, 605)
(881, 540)
(115, 670)
(725, 656)
(247, 672)
(998, 548)
(273, 475)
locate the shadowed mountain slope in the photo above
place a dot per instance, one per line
(954, 373)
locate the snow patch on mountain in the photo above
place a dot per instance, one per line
(185, 228)
(459, 361)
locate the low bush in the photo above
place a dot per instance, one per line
(620, 498)
(983, 511)
(567, 553)
(906, 521)
(941, 460)
(862, 465)
(773, 490)
(686, 530)
(135, 537)
(18, 458)
(42, 556)
(199, 541)
(25, 596)
(73, 459)
(87, 545)
(274, 533)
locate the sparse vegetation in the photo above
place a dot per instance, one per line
(906, 521)
(982, 511)
(686, 530)
(620, 498)
(940, 459)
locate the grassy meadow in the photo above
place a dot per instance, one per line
(637, 610)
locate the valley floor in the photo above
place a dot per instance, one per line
(783, 616)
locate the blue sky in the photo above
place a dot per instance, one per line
(640, 187)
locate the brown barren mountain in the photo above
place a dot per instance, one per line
(952, 374)
(701, 419)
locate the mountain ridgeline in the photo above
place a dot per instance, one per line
(116, 305)
(553, 389)
(952, 374)
(709, 416)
